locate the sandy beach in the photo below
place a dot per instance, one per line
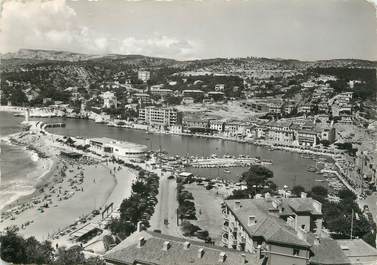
(66, 190)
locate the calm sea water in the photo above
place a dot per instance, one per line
(289, 168)
(15, 163)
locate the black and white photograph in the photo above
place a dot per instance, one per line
(188, 132)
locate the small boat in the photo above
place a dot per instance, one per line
(226, 170)
(311, 169)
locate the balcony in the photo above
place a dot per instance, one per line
(225, 239)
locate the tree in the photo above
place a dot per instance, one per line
(71, 256)
(256, 178)
(319, 192)
(13, 248)
(347, 195)
(296, 190)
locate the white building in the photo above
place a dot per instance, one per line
(159, 116)
(109, 100)
(118, 149)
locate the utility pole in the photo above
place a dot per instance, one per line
(351, 223)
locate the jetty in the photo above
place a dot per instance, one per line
(225, 162)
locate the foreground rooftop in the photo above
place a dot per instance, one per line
(148, 247)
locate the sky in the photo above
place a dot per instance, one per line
(191, 29)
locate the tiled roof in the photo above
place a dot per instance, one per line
(128, 252)
(270, 227)
(328, 252)
(356, 248)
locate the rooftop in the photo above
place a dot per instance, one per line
(159, 249)
(356, 248)
(123, 144)
(268, 226)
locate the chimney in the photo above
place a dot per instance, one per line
(141, 242)
(244, 260)
(200, 253)
(303, 195)
(139, 226)
(301, 234)
(237, 205)
(267, 196)
(251, 221)
(317, 241)
(222, 257)
(166, 246)
(186, 245)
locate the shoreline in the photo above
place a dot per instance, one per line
(66, 191)
(44, 168)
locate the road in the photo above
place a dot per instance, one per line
(166, 208)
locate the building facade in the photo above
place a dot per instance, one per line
(156, 116)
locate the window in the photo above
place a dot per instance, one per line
(296, 252)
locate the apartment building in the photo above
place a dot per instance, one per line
(216, 125)
(281, 132)
(235, 128)
(307, 137)
(147, 248)
(281, 229)
(156, 116)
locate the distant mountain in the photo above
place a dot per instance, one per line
(31, 56)
(50, 55)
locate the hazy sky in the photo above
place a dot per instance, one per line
(186, 29)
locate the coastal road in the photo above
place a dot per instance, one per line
(166, 208)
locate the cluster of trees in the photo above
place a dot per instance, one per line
(186, 206)
(258, 180)
(18, 250)
(366, 89)
(139, 207)
(338, 215)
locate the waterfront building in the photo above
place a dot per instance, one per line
(195, 123)
(143, 75)
(279, 228)
(307, 137)
(146, 247)
(108, 147)
(109, 100)
(178, 129)
(157, 116)
(216, 125)
(235, 128)
(281, 132)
